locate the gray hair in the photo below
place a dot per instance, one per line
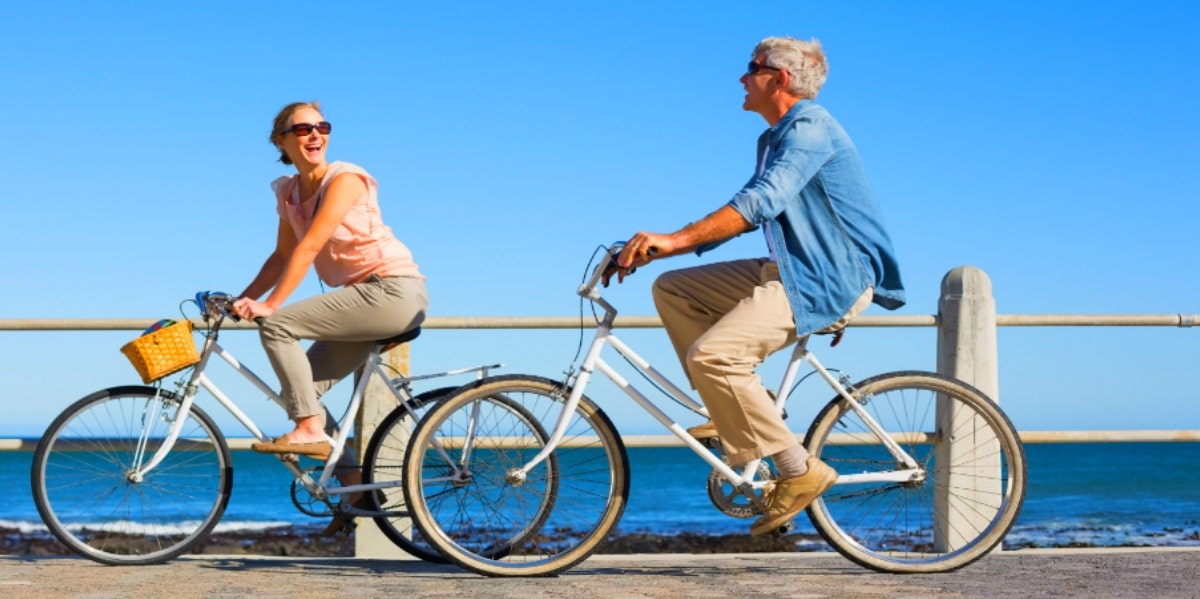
(805, 60)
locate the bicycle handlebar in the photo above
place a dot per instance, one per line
(216, 303)
(608, 267)
(588, 289)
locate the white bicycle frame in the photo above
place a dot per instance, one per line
(320, 489)
(744, 481)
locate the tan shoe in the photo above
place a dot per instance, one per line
(700, 432)
(318, 449)
(792, 495)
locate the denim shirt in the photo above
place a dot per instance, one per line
(814, 196)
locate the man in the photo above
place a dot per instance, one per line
(828, 258)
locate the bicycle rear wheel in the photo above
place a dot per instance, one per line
(384, 462)
(470, 501)
(959, 503)
(86, 492)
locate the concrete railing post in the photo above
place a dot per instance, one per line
(967, 452)
(369, 541)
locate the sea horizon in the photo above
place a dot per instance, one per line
(1080, 495)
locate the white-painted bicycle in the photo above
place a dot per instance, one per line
(140, 474)
(931, 473)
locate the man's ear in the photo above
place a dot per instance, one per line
(785, 79)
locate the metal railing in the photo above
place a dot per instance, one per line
(570, 322)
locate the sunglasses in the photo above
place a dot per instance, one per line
(302, 129)
(753, 68)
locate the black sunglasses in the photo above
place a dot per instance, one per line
(302, 129)
(753, 68)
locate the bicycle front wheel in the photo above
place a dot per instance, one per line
(473, 496)
(953, 508)
(87, 491)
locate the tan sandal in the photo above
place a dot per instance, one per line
(318, 449)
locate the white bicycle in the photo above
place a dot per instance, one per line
(140, 474)
(932, 474)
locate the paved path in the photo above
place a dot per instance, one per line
(1027, 573)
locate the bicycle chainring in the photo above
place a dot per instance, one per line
(306, 502)
(729, 500)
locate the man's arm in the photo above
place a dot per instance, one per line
(722, 224)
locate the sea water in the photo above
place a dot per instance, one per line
(1084, 494)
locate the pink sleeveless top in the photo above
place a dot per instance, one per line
(359, 247)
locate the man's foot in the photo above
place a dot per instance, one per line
(318, 449)
(792, 495)
(701, 432)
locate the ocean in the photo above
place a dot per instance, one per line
(1080, 494)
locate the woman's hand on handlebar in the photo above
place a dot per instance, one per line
(251, 309)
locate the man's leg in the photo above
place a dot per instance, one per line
(721, 364)
(691, 300)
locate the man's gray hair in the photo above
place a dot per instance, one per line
(805, 60)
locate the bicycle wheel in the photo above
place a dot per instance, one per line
(480, 512)
(86, 493)
(960, 501)
(384, 462)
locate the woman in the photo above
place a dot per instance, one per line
(328, 218)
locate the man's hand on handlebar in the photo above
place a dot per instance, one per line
(638, 251)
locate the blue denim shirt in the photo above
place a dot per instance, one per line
(814, 195)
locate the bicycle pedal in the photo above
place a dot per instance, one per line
(786, 528)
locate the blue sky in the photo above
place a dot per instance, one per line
(1051, 144)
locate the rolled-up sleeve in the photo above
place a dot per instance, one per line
(795, 158)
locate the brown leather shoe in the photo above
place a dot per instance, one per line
(318, 449)
(792, 495)
(700, 432)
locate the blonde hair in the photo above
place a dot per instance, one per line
(805, 60)
(279, 128)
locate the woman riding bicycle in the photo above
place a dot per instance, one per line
(329, 218)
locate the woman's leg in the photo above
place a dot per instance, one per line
(345, 322)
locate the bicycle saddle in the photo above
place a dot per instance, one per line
(404, 337)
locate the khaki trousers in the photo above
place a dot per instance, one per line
(344, 324)
(724, 319)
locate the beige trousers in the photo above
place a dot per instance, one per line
(344, 324)
(724, 319)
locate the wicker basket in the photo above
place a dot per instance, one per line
(159, 353)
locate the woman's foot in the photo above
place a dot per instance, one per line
(308, 438)
(344, 523)
(317, 449)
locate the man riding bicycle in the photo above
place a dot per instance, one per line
(829, 256)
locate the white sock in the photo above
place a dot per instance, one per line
(791, 462)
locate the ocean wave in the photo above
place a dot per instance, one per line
(1093, 534)
(123, 526)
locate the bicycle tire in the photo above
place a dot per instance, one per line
(83, 491)
(439, 465)
(546, 522)
(973, 484)
(385, 455)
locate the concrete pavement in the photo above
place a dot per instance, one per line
(1024, 573)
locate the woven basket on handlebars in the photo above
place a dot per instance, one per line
(162, 352)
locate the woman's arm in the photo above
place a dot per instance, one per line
(285, 242)
(339, 198)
